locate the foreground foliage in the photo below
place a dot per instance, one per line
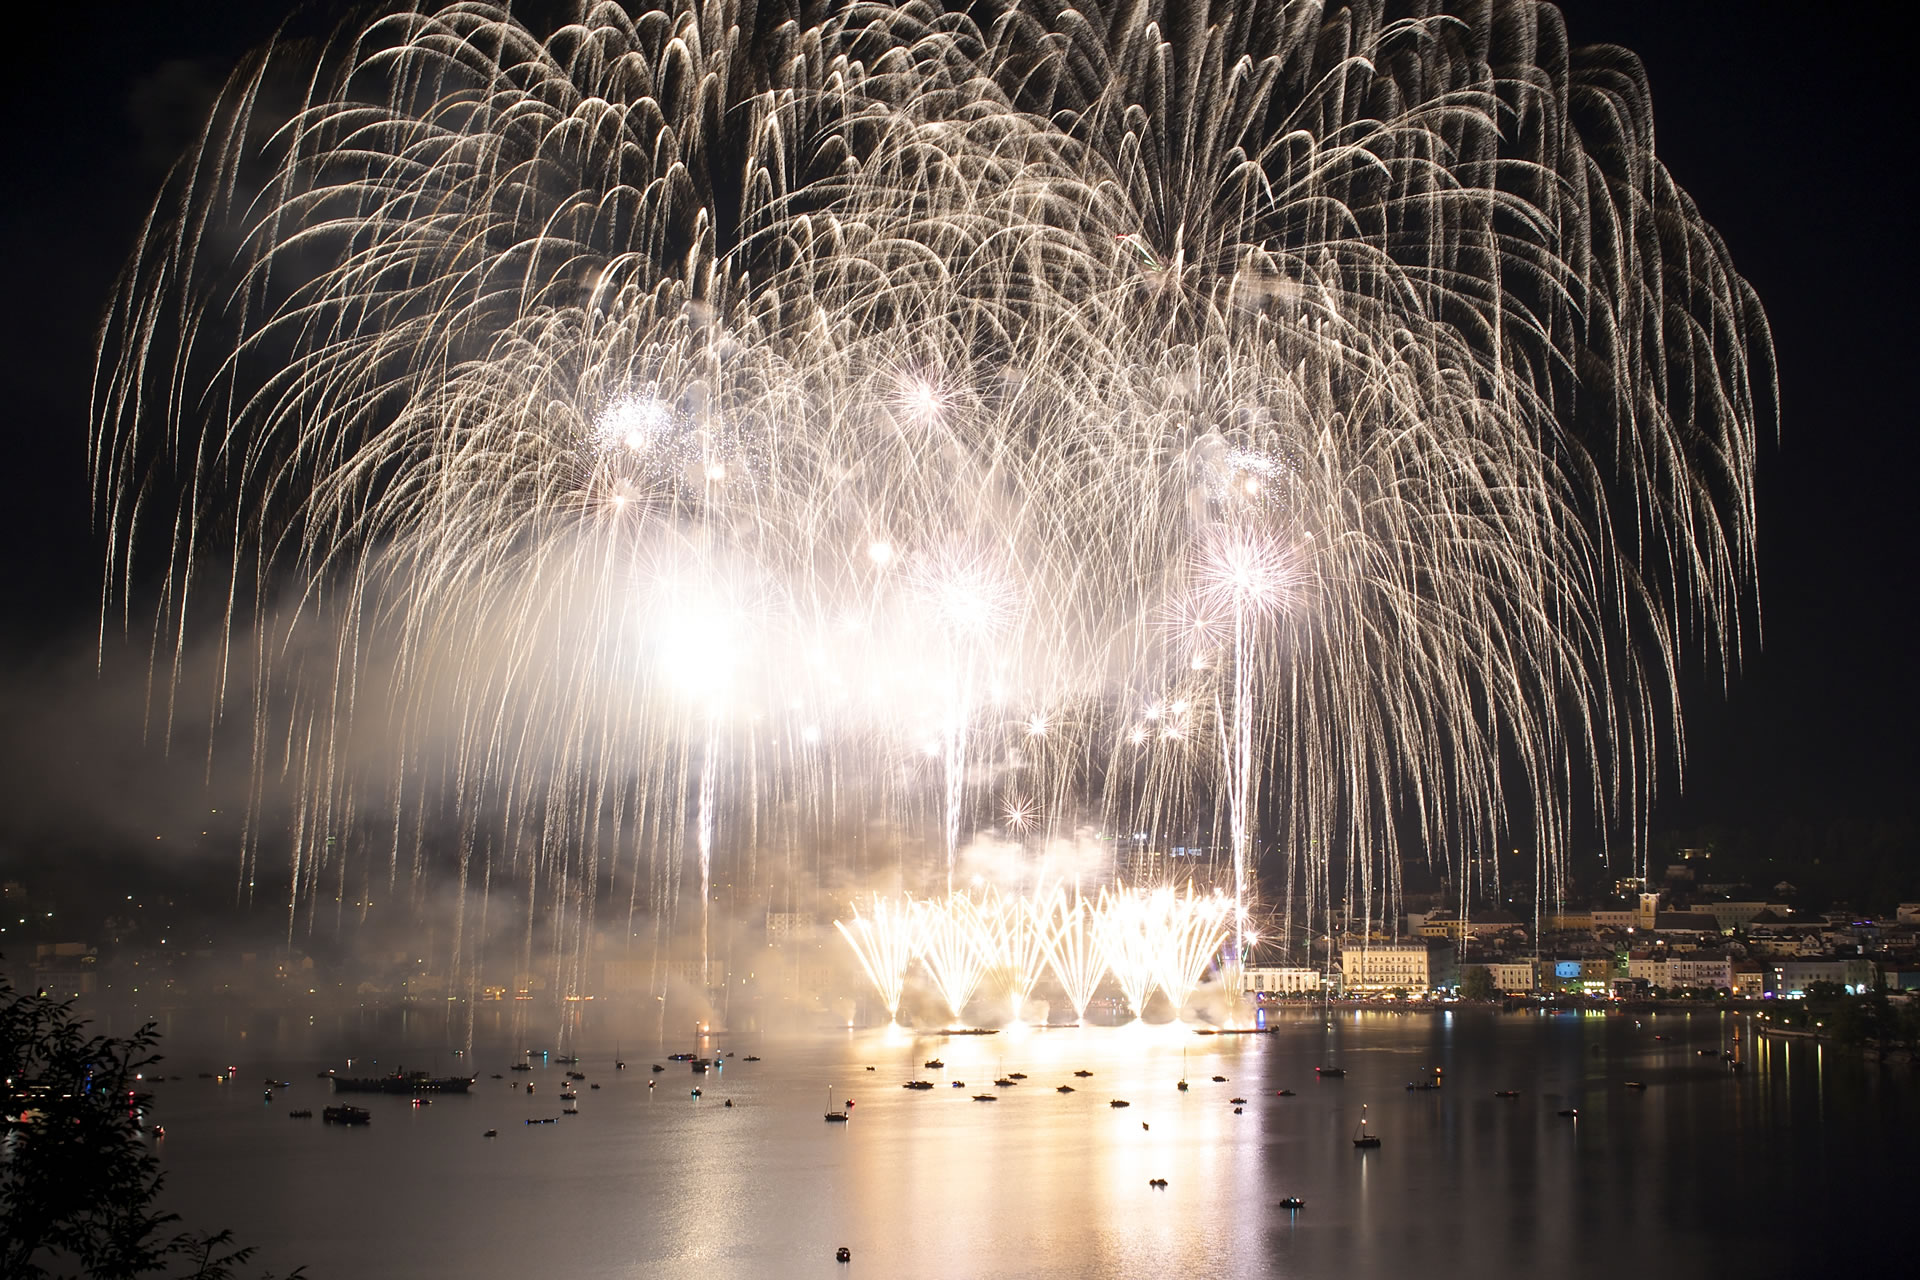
(79, 1185)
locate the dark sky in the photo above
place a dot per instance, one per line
(1789, 123)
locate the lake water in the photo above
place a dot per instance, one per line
(1800, 1163)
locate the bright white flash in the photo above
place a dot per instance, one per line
(635, 422)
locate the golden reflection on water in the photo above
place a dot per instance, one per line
(650, 1182)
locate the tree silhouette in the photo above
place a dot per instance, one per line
(78, 1183)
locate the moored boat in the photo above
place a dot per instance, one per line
(1363, 1136)
(415, 1082)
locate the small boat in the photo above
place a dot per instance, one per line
(1330, 1073)
(1424, 1086)
(658, 1067)
(1506, 1093)
(843, 1254)
(933, 1064)
(1703, 1053)
(918, 1084)
(491, 1133)
(873, 1068)
(1237, 1101)
(568, 1095)
(984, 1097)
(1181, 1085)
(1238, 1110)
(1065, 1088)
(1293, 1202)
(1636, 1084)
(1016, 1075)
(495, 1076)
(548, 1120)
(529, 1086)
(302, 1114)
(1083, 1074)
(593, 1086)
(1159, 1184)
(699, 1066)
(1659, 1037)
(518, 1066)
(1283, 1093)
(1119, 1102)
(750, 1058)
(1005, 1082)
(1363, 1136)
(576, 1075)
(345, 1115)
(1570, 1113)
(567, 1062)
(835, 1117)
(423, 1102)
(696, 1093)
(681, 1057)
(1219, 1079)
(729, 1102)
(571, 1111)
(411, 1083)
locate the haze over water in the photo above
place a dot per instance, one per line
(1790, 1166)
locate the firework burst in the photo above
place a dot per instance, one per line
(1410, 381)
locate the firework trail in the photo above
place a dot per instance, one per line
(728, 427)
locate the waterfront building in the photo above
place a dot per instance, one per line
(1276, 980)
(1512, 977)
(1384, 966)
(1649, 967)
(1791, 978)
(1687, 972)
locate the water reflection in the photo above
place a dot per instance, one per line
(1694, 1175)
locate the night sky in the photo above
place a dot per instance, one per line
(1788, 123)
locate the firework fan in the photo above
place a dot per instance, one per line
(726, 431)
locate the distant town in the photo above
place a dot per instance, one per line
(1682, 936)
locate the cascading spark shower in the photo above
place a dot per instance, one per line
(1352, 375)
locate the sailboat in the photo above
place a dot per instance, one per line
(840, 1116)
(1362, 1136)
(1182, 1086)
